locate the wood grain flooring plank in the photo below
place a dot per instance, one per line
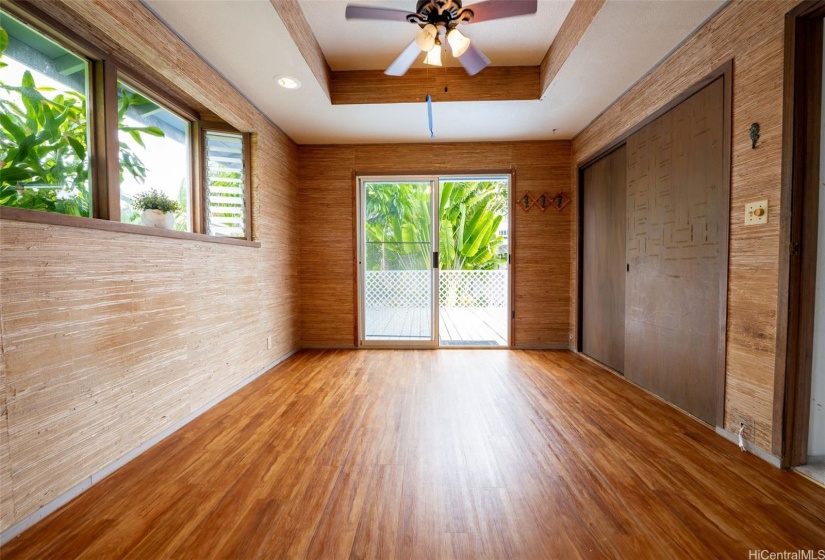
(437, 454)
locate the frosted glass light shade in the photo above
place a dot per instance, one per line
(433, 57)
(458, 42)
(425, 38)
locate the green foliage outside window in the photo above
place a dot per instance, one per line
(44, 152)
(398, 225)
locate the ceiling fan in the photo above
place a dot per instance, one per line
(438, 20)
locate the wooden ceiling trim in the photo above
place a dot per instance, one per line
(495, 83)
(296, 23)
(578, 20)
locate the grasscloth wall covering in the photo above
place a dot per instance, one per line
(109, 338)
(541, 252)
(753, 37)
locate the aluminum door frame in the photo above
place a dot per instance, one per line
(362, 247)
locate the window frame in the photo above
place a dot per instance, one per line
(168, 103)
(105, 70)
(214, 126)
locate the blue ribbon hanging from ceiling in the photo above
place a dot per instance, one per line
(430, 114)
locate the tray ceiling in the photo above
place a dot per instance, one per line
(249, 44)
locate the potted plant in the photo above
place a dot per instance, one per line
(157, 209)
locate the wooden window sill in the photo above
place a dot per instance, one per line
(38, 217)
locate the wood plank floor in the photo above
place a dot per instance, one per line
(437, 454)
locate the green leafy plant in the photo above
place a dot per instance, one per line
(471, 213)
(153, 199)
(43, 150)
(398, 225)
(44, 159)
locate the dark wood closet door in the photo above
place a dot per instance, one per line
(676, 248)
(603, 229)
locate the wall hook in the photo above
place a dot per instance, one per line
(754, 135)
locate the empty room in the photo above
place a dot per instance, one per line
(435, 279)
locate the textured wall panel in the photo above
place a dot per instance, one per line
(752, 35)
(109, 338)
(541, 254)
(6, 496)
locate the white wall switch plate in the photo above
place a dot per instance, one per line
(756, 213)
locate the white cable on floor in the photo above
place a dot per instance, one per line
(741, 440)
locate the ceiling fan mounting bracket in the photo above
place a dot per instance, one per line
(448, 13)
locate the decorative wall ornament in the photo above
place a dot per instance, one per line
(560, 201)
(754, 134)
(543, 201)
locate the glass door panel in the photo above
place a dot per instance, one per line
(397, 261)
(474, 264)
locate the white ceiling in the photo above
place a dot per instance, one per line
(247, 42)
(368, 45)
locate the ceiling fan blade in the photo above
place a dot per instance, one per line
(473, 60)
(401, 64)
(497, 9)
(372, 12)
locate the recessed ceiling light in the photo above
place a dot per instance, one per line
(287, 82)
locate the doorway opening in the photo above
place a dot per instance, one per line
(434, 261)
(800, 382)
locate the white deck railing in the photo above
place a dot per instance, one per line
(457, 288)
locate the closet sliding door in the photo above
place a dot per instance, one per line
(677, 212)
(604, 191)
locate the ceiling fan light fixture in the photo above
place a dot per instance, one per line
(425, 38)
(458, 42)
(433, 57)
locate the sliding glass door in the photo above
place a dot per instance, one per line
(433, 261)
(396, 262)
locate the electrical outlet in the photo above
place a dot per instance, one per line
(756, 213)
(269, 342)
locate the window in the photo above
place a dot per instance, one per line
(84, 136)
(44, 123)
(225, 180)
(154, 154)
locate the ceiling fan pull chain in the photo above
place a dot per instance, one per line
(446, 78)
(430, 115)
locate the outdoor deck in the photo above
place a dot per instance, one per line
(458, 326)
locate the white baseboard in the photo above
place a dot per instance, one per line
(761, 453)
(78, 489)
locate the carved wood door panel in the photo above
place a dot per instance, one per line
(676, 216)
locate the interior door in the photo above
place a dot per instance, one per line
(677, 215)
(603, 259)
(397, 276)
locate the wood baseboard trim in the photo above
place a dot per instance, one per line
(542, 347)
(328, 347)
(351, 347)
(87, 483)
